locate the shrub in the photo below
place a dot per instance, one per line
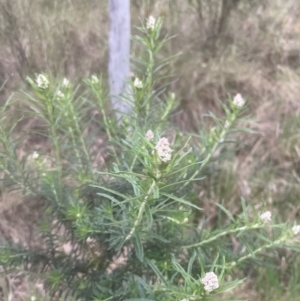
(133, 226)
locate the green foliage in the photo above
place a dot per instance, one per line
(133, 228)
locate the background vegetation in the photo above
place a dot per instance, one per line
(227, 47)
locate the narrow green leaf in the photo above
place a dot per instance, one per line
(112, 199)
(110, 190)
(187, 277)
(142, 283)
(225, 211)
(182, 201)
(149, 218)
(155, 192)
(140, 299)
(138, 246)
(156, 271)
(191, 262)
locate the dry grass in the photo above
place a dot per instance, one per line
(257, 55)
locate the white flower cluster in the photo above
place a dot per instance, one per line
(163, 149)
(94, 79)
(149, 135)
(35, 155)
(296, 229)
(210, 281)
(60, 95)
(138, 83)
(239, 101)
(42, 82)
(266, 217)
(66, 83)
(151, 23)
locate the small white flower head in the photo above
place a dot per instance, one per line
(66, 83)
(151, 23)
(94, 79)
(35, 155)
(60, 95)
(138, 83)
(173, 95)
(210, 282)
(296, 229)
(149, 135)
(266, 217)
(163, 150)
(33, 298)
(42, 82)
(226, 124)
(239, 101)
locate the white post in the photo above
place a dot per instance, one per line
(119, 53)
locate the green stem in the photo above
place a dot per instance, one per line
(133, 162)
(28, 187)
(56, 147)
(75, 146)
(270, 245)
(206, 241)
(53, 135)
(79, 133)
(150, 81)
(142, 209)
(207, 159)
(102, 110)
(55, 193)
